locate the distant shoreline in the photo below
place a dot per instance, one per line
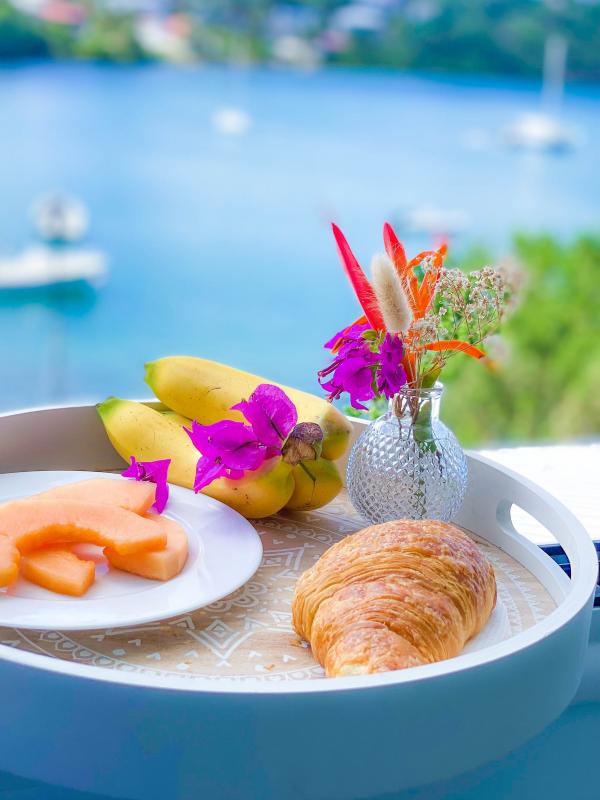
(434, 37)
(467, 79)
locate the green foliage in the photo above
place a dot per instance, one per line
(492, 36)
(104, 36)
(19, 38)
(218, 43)
(377, 407)
(60, 40)
(107, 37)
(548, 386)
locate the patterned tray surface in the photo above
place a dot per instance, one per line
(248, 635)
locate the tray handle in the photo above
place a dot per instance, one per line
(492, 491)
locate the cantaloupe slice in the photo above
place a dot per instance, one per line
(136, 496)
(33, 523)
(159, 565)
(9, 561)
(133, 496)
(58, 569)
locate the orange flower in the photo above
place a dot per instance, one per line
(419, 295)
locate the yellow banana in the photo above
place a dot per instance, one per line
(316, 483)
(178, 418)
(137, 430)
(205, 391)
(258, 494)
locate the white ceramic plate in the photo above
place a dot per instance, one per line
(224, 552)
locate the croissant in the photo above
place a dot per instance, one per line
(392, 596)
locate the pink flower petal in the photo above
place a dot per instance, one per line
(200, 436)
(228, 449)
(154, 472)
(233, 443)
(235, 474)
(271, 414)
(391, 374)
(207, 470)
(353, 332)
(354, 375)
(134, 470)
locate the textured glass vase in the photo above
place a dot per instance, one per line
(407, 464)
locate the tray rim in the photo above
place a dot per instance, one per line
(577, 593)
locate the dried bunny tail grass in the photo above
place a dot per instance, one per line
(391, 296)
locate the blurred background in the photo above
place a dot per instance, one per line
(169, 170)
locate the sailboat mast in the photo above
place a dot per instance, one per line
(555, 61)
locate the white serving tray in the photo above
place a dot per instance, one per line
(137, 735)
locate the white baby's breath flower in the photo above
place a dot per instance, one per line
(467, 307)
(452, 280)
(425, 330)
(428, 264)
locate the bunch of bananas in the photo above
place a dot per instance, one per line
(194, 388)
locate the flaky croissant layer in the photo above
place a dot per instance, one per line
(392, 596)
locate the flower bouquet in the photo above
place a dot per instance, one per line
(416, 315)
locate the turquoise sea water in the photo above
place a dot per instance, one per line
(219, 245)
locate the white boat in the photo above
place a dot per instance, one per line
(539, 131)
(231, 121)
(39, 267)
(60, 218)
(542, 130)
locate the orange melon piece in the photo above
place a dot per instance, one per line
(35, 522)
(158, 565)
(136, 496)
(9, 561)
(59, 570)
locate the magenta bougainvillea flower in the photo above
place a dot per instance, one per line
(154, 472)
(364, 366)
(353, 373)
(351, 370)
(229, 449)
(391, 374)
(347, 335)
(271, 415)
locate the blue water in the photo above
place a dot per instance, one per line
(219, 246)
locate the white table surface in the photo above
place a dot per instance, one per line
(569, 472)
